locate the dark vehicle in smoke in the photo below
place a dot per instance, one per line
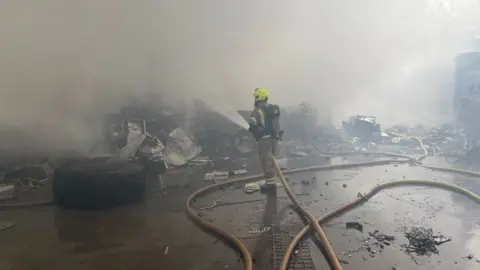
(466, 99)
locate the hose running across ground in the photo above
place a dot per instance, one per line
(332, 257)
(364, 198)
(247, 259)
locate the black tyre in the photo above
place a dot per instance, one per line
(98, 183)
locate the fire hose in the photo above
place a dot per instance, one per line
(315, 223)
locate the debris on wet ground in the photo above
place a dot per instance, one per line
(446, 139)
(377, 242)
(220, 175)
(344, 185)
(423, 241)
(212, 205)
(238, 172)
(261, 185)
(305, 182)
(343, 262)
(363, 127)
(259, 231)
(215, 176)
(200, 161)
(5, 225)
(381, 237)
(298, 154)
(162, 190)
(166, 250)
(7, 192)
(252, 187)
(180, 148)
(282, 163)
(354, 225)
(25, 173)
(440, 239)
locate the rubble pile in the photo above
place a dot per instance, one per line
(446, 139)
(423, 241)
(377, 241)
(364, 134)
(364, 128)
(198, 135)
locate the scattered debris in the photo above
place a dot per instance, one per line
(344, 185)
(282, 163)
(162, 186)
(423, 242)
(238, 172)
(212, 205)
(305, 182)
(354, 225)
(7, 192)
(343, 261)
(381, 237)
(470, 256)
(200, 161)
(166, 250)
(363, 127)
(326, 183)
(180, 148)
(446, 139)
(298, 154)
(252, 187)
(217, 175)
(5, 225)
(259, 231)
(26, 174)
(440, 239)
(382, 240)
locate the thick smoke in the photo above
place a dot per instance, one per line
(66, 63)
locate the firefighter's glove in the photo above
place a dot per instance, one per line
(254, 130)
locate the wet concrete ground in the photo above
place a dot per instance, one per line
(156, 234)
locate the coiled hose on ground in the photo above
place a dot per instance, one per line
(315, 224)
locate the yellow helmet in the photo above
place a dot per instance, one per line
(260, 94)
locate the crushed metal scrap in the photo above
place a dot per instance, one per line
(363, 127)
(363, 133)
(213, 136)
(423, 241)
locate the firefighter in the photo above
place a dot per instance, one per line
(265, 127)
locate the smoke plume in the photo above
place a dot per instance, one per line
(67, 63)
